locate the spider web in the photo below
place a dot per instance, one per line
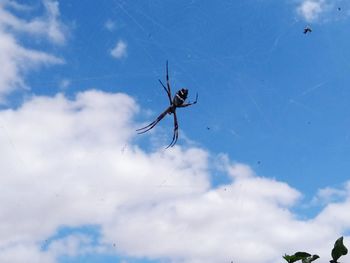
(238, 59)
(261, 100)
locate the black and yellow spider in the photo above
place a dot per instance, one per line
(177, 102)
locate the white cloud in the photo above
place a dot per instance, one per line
(55, 29)
(329, 194)
(17, 6)
(75, 162)
(16, 60)
(311, 9)
(119, 51)
(64, 84)
(110, 25)
(19, 253)
(323, 10)
(47, 25)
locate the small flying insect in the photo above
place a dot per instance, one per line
(307, 29)
(177, 102)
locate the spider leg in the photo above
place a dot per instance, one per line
(167, 79)
(166, 90)
(176, 132)
(188, 104)
(167, 76)
(153, 123)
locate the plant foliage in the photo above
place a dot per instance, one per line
(338, 251)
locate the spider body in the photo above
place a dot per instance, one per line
(180, 97)
(178, 101)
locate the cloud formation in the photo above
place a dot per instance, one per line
(48, 25)
(16, 59)
(310, 10)
(75, 162)
(110, 25)
(119, 51)
(323, 10)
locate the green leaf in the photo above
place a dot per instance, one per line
(297, 256)
(338, 250)
(287, 258)
(310, 259)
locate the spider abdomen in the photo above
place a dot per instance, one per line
(180, 97)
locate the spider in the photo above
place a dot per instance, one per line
(177, 102)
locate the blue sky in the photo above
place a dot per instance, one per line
(264, 152)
